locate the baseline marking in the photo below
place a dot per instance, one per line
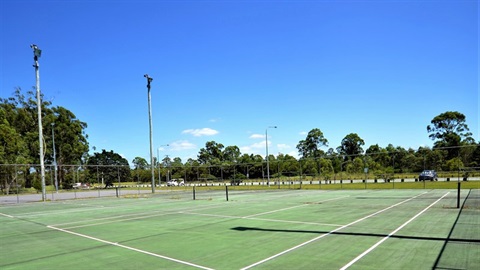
(130, 248)
(323, 235)
(390, 234)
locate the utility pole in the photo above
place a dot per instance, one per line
(149, 80)
(36, 54)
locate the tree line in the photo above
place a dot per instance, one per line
(454, 148)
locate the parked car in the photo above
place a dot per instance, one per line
(176, 182)
(428, 175)
(172, 183)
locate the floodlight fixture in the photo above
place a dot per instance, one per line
(149, 80)
(36, 51)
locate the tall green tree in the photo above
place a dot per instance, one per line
(13, 150)
(310, 147)
(212, 153)
(351, 146)
(21, 115)
(111, 166)
(140, 163)
(449, 130)
(71, 145)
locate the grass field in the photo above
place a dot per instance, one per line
(254, 229)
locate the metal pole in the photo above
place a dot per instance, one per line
(458, 195)
(54, 158)
(266, 147)
(36, 54)
(167, 165)
(158, 162)
(149, 80)
(266, 156)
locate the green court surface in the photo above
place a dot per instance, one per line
(254, 229)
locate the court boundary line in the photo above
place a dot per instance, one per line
(332, 231)
(390, 234)
(5, 215)
(130, 248)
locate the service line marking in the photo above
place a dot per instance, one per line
(390, 234)
(130, 248)
(332, 231)
(296, 206)
(263, 219)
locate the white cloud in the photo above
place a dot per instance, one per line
(257, 136)
(200, 132)
(256, 148)
(259, 145)
(181, 145)
(294, 154)
(214, 120)
(303, 133)
(283, 147)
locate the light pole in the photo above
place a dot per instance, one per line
(36, 54)
(149, 80)
(54, 158)
(266, 148)
(158, 161)
(167, 162)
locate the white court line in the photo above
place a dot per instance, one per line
(323, 235)
(390, 234)
(5, 215)
(52, 212)
(296, 206)
(130, 248)
(121, 218)
(263, 219)
(117, 220)
(98, 220)
(297, 222)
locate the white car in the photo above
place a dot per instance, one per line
(176, 182)
(77, 185)
(172, 183)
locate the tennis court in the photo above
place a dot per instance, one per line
(253, 229)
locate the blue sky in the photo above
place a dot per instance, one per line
(224, 71)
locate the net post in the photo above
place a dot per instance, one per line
(458, 194)
(226, 192)
(194, 192)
